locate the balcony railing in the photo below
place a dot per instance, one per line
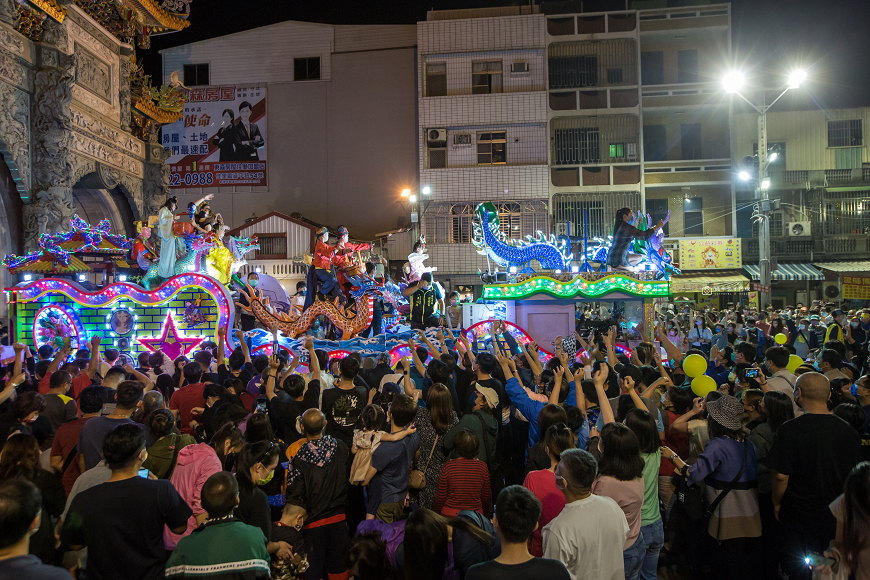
(795, 177)
(796, 249)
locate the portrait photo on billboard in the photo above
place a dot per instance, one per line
(220, 139)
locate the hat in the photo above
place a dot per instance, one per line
(490, 396)
(727, 411)
(322, 230)
(837, 313)
(342, 230)
(814, 316)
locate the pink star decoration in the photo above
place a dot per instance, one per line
(170, 342)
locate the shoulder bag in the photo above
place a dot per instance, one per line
(691, 497)
(417, 478)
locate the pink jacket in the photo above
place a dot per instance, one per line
(196, 463)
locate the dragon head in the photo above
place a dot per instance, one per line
(241, 246)
(201, 243)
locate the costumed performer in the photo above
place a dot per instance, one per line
(168, 244)
(201, 216)
(416, 259)
(220, 259)
(321, 269)
(143, 252)
(343, 260)
(623, 233)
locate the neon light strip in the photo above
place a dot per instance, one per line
(125, 290)
(578, 286)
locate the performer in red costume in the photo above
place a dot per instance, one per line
(143, 252)
(345, 265)
(323, 257)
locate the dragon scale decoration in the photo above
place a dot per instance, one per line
(491, 241)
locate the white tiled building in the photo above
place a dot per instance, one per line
(549, 115)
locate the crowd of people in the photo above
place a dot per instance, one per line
(459, 461)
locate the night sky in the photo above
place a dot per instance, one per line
(827, 37)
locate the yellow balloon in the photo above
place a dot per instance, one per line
(703, 385)
(780, 338)
(794, 361)
(694, 365)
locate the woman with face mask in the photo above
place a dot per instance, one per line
(255, 466)
(700, 335)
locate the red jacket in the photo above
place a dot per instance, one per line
(323, 254)
(344, 256)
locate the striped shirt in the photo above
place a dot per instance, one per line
(463, 485)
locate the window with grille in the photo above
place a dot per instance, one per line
(460, 223)
(195, 74)
(845, 133)
(576, 146)
(272, 247)
(486, 77)
(448, 223)
(846, 212)
(437, 158)
(306, 69)
(492, 148)
(436, 79)
(595, 211)
(614, 76)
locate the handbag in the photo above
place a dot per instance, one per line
(417, 478)
(691, 497)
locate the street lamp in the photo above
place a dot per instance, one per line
(732, 83)
(425, 192)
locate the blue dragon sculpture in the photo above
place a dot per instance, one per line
(650, 249)
(491, 241)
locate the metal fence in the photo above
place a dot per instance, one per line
(605, 63)
(584, 140)
(597, 209)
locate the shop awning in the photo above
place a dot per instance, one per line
(862, 266)
(786, 272)
(719, 283)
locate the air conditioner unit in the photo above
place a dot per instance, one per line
(436, 135)
(520, 67)
(462, 139)
(798, 229)
(831, 291)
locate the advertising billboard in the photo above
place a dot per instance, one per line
(220, 140)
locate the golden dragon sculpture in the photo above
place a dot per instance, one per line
(349, 324)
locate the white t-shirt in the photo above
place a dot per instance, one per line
(588, 537)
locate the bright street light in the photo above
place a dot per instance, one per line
(427, 190)
(406, 192)
(744, 176)
(772, 157)
(412, 198)
(796, 78)
(733, 81)
(765, 183)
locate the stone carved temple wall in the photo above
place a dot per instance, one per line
(67, 117)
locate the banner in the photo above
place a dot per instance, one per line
(220, 140)
(710, 254)
(856, 288)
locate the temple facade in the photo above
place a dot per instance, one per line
(79, 121)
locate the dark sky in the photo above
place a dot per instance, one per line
(827, 37)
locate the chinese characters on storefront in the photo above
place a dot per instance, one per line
(710, 254)
(856, 288)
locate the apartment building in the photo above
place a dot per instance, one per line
(820, 184)
(562, 118)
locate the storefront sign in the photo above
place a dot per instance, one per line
(710, 253)
(220, 140)
(856, 288)
(761, 288)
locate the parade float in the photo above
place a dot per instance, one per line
(552, 293)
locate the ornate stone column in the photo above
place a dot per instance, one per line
(8, 13)
(156, 182)
(52, 205)
(124, 90)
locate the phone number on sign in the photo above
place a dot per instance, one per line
(223, 178)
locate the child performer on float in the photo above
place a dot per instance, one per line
(201, 216)
(416, 259)
(322, 268)
(343, 259)
(143, 252)
(168, 244)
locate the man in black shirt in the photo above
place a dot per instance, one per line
(426, 299)
(284, 414)
(516, 516)
(129, 509)
(810, 458)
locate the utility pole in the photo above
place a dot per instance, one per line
(764, 209)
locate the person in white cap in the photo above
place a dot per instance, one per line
(481, 421)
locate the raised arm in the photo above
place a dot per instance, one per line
(609, 341)
(410, 289)
(433, 350)
(59, 357)
(673, 352)
(681, 424)
(19, 359)
(421, 368)
(149, 384)
(240, 335)
(407, 384)
(270, 382)
(313, 363)
(443, 340)
(94, 364)
(557, 385)
(600, 379)
(222, 337)
(531, 350)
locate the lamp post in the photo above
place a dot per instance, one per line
(733, 82)
(413, 199)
